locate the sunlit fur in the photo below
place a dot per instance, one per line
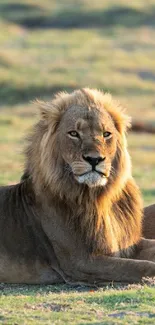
(107, 210)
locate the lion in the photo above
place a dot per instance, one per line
(76, 216)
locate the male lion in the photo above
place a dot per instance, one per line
(76, 215)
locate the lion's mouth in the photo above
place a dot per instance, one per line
(102, 174)
(92, 178)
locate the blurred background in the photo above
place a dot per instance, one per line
(52, 45)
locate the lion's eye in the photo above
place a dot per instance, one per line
(73, 134)
(106, 134)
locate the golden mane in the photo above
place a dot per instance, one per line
(44, 164)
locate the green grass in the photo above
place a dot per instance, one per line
(66, 305)
(49, 45)
(112, 55)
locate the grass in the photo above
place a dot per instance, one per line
(66, 305)
(47, 46)
(35, 62)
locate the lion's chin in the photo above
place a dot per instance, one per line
(92, 179)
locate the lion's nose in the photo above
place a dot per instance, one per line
(93, 161)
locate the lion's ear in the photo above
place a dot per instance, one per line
(49, 113)
(122, 121)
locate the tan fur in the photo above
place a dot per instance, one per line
(85, 222)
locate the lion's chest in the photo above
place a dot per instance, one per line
(119, 237)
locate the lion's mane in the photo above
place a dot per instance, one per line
(109, 219)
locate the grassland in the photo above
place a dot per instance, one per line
(47, 46)
(76, 306)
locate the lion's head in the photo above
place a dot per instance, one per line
(79, 141)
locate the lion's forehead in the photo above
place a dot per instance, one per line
(84, 118)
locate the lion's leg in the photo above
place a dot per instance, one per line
(149, 222)
(100, 269)
(35, 272)
(146, 250)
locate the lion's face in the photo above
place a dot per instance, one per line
(88, 140)
(80, 138)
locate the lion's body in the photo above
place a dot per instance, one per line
(149, 222)
(25, 251)
(65, 221)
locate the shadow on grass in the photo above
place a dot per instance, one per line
(33, 290)
(98, 323)
(147, 193)
(12, 94)
(143, 74)
(4, 62)
(33, 16)
(2, 318)
(116, 287)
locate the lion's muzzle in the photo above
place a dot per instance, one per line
(92, 179)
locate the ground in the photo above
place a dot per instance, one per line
(77, 306)
(49, 46)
